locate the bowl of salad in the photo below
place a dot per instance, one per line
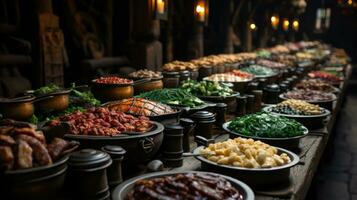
(216, 92)
(239, 83)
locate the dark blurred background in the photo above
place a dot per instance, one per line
(45, 41)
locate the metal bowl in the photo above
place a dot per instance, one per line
(122, 190)
(112, 92)
(186, 111)
(327, 104)
(238, 86)
(254, 177)
(44, 182)
(220, 99)
(18, 109)
(151, 84)
(140, 147)
(310, 121)
(54, 101)
(291, 143)
(167, 118)
(269, 78)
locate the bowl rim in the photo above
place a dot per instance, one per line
(93, 81)
(275, 72)
(54, 94)
(30, 99)
(225, 127)
(152, 79)
(157, 128)
(234, 94)
(39, 168)
(124, 185)
(335, 90)
(233, 82)
(334, 98)
(324, 114)
(187, 108)
(294, 161)
(176, 110)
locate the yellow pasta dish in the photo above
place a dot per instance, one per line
(241, 152)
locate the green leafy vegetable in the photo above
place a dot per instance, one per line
(263, 54)
(85, 97)
(258, 70)
(173, 96)
(207, 88)
(78, 101)
(266, 125)
(47, 89)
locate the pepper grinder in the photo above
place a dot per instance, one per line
(258, 95)
(252, 86)
(114, 172)
(221, 110)
(204, 121)
(241, 105)
(250, 103)
(261, 84)
(172, 145)
(86, 174)
(271, 94)
(188, 126)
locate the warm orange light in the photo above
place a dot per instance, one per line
(350, 2)
(286, 24)
(200, 11)
(160, 5)
(252, 26)
(296, 25)
(274, 21)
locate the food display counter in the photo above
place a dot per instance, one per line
(231, 126)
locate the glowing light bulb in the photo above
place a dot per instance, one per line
(274, 21)
(296, 25)
(200, 12)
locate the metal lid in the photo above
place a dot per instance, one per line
(286, 82)
(171, 74)
(186, 121)
(203, 116)
(174, 126)
(114, 151)
(185, 73)
(283, 87)
(272, 88)
(221, 105)
(89, 158)
(290, 79)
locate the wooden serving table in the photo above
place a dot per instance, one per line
(312, 148)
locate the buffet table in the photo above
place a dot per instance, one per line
(312, 148)
(102, 141)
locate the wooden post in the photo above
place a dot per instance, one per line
(168, 53)
(264, 28)
(146, 51)
(195, 46)
(51, 51)
(223, 19)
(246, 33)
